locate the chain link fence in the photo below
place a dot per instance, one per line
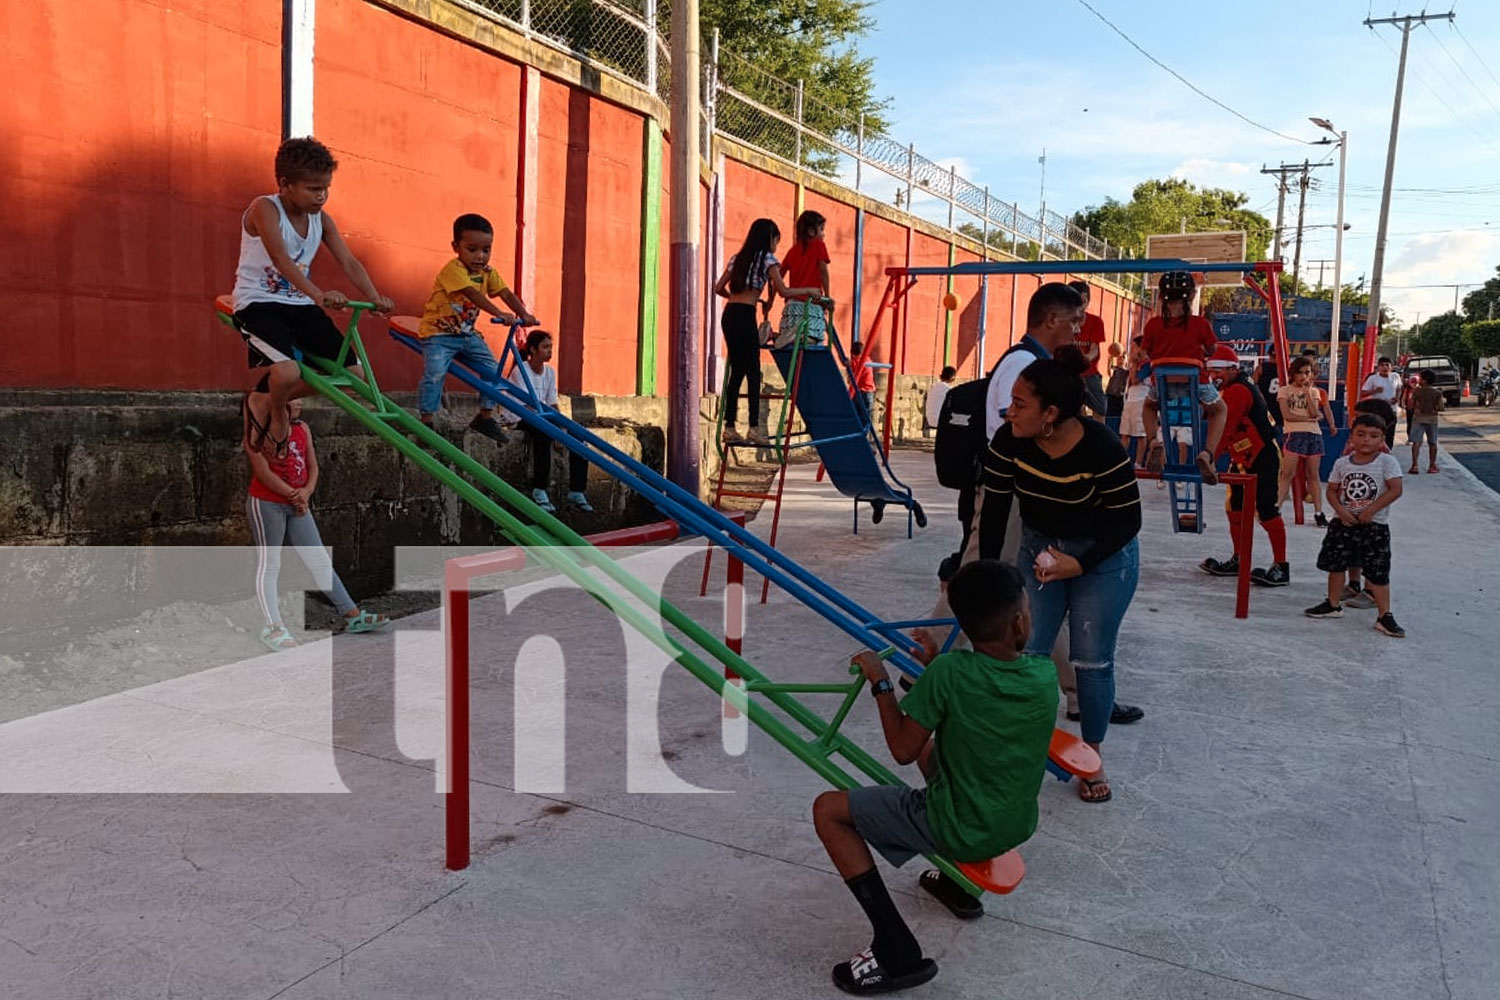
(629, 39)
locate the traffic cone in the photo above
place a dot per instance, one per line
(1466, 388)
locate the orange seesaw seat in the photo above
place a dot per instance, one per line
(225, 304)
(998, 875)
(408, 325)
(1073, 755)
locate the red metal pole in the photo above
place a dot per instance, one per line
(734, 619)
(898, 310)
(456, 636)
(1244, 550)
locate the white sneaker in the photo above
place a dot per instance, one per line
(542, 500)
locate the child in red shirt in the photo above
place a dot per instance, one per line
(1178, 335)
(806, 266)
(277, 506)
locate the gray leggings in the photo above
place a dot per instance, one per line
(271, 526)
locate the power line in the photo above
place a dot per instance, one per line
(1455, 27)
(1188, 83)
(1460, 66)
(1433, 91)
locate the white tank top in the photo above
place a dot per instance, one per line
(256, 278)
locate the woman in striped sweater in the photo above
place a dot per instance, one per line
(1080, 514)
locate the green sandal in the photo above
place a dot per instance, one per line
(277, 639)
(365, 622)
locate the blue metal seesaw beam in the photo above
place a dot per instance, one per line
(686, 509)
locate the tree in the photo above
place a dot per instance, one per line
(1483, 337)
(1001, 240)
(766, 46)
(1444, 334)
(1167, 206)
(1484, 302)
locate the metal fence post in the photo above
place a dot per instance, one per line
(952, 187)
(911, 166)
(1015, 227)
(799, 123)
(986, 222)
(859, 152)
(711, 97)
(526, 16)
(650, 13)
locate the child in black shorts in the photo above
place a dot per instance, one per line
(275, 300)
(1361, 488)
(992, 710)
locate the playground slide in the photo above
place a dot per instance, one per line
(841, 431)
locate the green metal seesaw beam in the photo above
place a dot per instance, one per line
(559, 547)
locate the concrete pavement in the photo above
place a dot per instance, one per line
(1307, 810)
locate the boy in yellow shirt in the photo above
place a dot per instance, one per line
(463, 289)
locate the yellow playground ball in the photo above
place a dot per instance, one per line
(950, 302)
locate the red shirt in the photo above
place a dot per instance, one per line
(1193, 340)
(1092, 332)
(291, 467)
(799, 269)
(1242, 440)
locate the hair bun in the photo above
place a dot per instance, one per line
(1070, 358)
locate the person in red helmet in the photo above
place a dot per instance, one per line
(1250, 442)
(1179, 335)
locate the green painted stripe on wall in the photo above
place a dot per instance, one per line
(646, 361)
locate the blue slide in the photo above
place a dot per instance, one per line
(843, 434)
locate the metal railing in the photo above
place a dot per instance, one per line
(628, 39)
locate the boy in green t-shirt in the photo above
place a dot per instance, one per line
(992, 710)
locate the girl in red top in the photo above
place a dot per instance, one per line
(806, 266)
(277, 505)
(1179, 335)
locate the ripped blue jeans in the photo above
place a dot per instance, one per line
(1094, 605)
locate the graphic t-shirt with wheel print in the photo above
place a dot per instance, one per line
(1361, 484)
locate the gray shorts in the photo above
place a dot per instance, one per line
(1419, 430)
(893, 820)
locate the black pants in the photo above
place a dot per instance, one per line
(541, 465)
(966, 498)
(1267, 469)
(742, 336)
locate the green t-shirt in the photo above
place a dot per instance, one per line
(993, 720)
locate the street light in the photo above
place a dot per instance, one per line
(1338, 259)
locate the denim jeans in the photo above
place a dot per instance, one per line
(1094, 605)
(442, 348)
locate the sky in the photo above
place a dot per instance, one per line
(986, 85)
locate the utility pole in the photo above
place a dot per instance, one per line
(1280, 173)
(685, 383)
(1301, 213)
(1372, 321)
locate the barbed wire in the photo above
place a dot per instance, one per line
(782, 118)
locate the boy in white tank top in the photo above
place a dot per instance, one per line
(274, 298)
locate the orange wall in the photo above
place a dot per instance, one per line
(131, 190)
(137, 134)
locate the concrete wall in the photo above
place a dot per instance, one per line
(95, 468)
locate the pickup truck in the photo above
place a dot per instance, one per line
(1447, 379)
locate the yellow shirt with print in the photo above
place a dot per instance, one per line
(448, 309)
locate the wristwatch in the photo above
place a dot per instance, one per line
(882, 686)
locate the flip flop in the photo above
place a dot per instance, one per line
(952, 895)
(863, 976)
(1089, 784)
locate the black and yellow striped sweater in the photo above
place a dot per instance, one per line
(1089, 492)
